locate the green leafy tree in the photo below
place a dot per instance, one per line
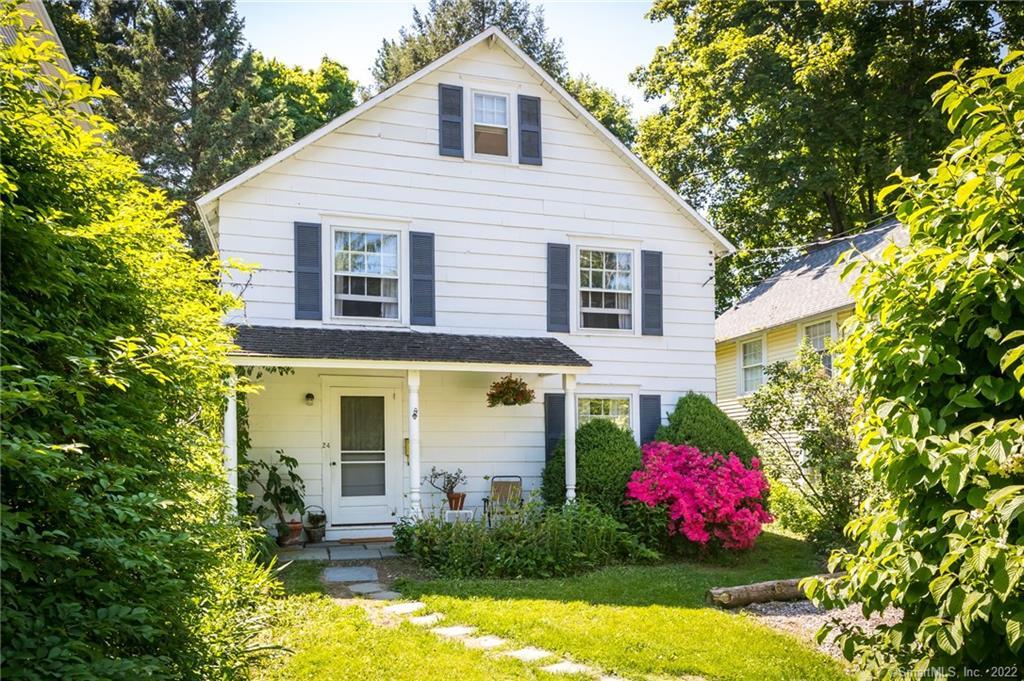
(120, 558)
(937, 350)
(312, 97)
(614, 112)
(801, 421)
(448, 23)
(186, 113)
(784, 118)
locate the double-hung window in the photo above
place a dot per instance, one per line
(606, 289)
(751, 365)
(490, 124)
(365, 274)
(614, 409)
(819, 336)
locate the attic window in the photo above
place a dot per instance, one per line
(490, 124)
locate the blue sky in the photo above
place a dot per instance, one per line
(605, 39)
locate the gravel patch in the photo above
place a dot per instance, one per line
(803, 619)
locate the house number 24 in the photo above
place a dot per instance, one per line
(415, 414)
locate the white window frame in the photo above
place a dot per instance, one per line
(575, 305)
(741, 387)
(628, 397)
(488, 88)
(343, 221)
(832, 319)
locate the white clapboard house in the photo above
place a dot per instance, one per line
(470, 222)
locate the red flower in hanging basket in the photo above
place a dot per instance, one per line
(510, 392)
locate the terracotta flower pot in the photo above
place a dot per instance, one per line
(290, 533)
(456, 500)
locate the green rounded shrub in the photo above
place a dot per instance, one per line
(698, 422)
(606, 456)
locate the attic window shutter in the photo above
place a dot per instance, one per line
(650, 417)
(449, 119)
(554, 422)
(421, 278)
(558, 287)
(651, 323)
(529, 130)
(308, 278)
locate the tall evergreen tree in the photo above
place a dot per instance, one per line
(784, 119)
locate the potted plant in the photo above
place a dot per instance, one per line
(316, 523)
(446, 482)
(509, 391)
(283, 491)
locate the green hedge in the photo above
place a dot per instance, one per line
(606, 456)
(537, 541)
(697, 421)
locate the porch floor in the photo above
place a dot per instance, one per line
(333, 550)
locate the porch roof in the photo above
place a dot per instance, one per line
(407, 348)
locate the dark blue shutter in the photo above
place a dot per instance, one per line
(529, 130)
(449, 119)
(554, 422)
(650, 291)
(308, 279)
(558, 287)
(421, 278)
(650, 417)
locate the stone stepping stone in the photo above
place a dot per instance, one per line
(384, 595)
(308, 553)
(457, 631)
(353, 553)
(484, 642)
(528, 654)
(426, 620)
(405, 608)
(567, 667)
(365, 588)
(343, 575)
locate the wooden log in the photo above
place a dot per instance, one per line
(761, 592)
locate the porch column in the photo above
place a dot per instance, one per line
(414, 442)
(231, 441)
(569, 385)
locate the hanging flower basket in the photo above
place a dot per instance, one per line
(509, 392)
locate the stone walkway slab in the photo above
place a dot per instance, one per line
(528, 654)
(454, 632)
(353, 553)
(365, 587)
(487, 642)
(283, 556)
(405, 608)
(566, 667)
(360, 573)
(426, 620)
(384, 595)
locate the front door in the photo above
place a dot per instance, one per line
(365, 456)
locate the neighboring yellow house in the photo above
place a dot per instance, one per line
(806, 298)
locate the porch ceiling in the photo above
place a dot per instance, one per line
(307, 346)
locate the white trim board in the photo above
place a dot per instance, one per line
(208, 203)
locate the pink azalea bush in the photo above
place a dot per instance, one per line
(707, 496)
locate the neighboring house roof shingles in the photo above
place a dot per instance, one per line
(374, 345)
(804, 287)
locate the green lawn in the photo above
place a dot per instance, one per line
(639, 620)
(632, 621)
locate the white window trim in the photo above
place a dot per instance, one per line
(590, 393)
(574, 302)
(741, 390)
(471, 87)
(337, 221)
(833, 332)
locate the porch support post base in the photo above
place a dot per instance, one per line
(569, 385)
(413, 380)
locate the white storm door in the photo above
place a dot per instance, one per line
(365, 456)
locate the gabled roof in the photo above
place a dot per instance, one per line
(804, 287)
(207, 204)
